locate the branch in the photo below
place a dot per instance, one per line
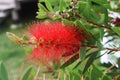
(92, 46)
(93, 23)
(20, 71)
(36, 74)
(109, 68)
(113, 49)
(83, 45)
(98, 25)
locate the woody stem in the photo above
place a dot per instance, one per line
(35, 77)
(95, 24)
(92, 46)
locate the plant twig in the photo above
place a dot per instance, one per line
(82, 77)
(84, 45)
(93, 23)
(115, 78)
(20, 71)
(64, 76)
(92, 46)
(113, 49)
(35, 77)
(109, 68)
(58, 78)
(44, 77)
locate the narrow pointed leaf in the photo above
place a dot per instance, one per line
(48, 5)
(40, 6)
(82, 53)
(70, 61)
(77, 65)
(99, 45)
(41, 14)
(26, 74)
(81, 61)
(3, 72)
(90, 61)
(116, 30)
(62, 5)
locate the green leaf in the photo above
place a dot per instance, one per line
(41, 0)
(77, 64)
(3, 72)
(41, 12)
(41, 7)
(81, 61)
(116, 30)
(100, 46)
(101, 34)
(48, 5)
(26, 74)
(25, 38)
(102, 2)
(62, 5)
(90, 61)
(106, 77)
(70, 61)
(95, 71)
(82, 53)
(66, 21)
(97, 7)
(41, 15)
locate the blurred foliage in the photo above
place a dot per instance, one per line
(3, 72)
(12, 55)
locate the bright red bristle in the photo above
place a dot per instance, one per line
(54, 39)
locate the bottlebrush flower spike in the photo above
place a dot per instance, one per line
(54, 39)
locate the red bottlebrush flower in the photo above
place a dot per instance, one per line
(54, 39)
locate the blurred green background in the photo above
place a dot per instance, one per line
(13, 54)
